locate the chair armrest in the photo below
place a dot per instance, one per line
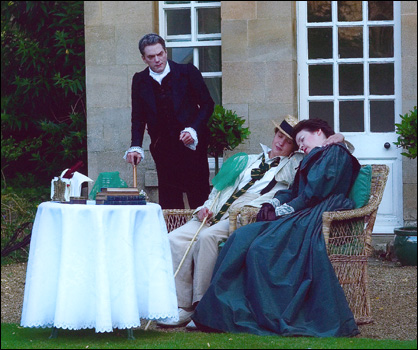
(174, 218)
(366, 213)
(248, 216)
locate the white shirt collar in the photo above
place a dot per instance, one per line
(158, 77)
(266, 151)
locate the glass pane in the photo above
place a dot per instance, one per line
(380, 10)
(319, 43)
(209, 21)
(382, 79)
(178, 22)
(351, 116)
(322, 110)
(215, 88)
(349, 11)
(351, 79)
(210, 59)
(350, 42)
(320, 80)
(381, 41)
(382, 116)
(319, 11)
(180, 54)
(176, 2)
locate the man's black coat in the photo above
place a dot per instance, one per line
(192, 106)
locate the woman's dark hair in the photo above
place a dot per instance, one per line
(150, 39)
(313, 125)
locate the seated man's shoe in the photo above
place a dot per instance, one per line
(191, 326)
(184, 318)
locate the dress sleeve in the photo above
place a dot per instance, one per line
(324, 177)
(288, 175)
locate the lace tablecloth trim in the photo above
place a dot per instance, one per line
(50, 324)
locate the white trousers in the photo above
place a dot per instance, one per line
(193, 278)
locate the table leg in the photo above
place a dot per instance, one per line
(131, 334)
(54, 333)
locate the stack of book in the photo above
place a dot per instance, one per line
(120, 196)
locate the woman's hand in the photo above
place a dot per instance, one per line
(266, 213)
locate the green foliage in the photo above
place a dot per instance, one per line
(43, 118)
(226, 132)
(407, 130)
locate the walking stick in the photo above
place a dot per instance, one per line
(226, 177)
(135, 185)
(190, 245)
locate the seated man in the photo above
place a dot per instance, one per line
(194, 276)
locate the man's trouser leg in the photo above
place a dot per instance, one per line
(199, 268)
(205, 255)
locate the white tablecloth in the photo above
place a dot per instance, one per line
(98, 266)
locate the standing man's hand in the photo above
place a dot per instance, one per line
(133, 158)
(186, 138)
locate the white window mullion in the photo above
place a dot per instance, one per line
(162, 16)
(193, 20)
(303, 76)
(366, 63)
(335, 58)
(397, 40)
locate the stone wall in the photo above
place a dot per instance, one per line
(112, 31)
(409, 100)
(259, 65)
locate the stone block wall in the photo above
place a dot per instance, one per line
(259, 65)
(113, 30)
(409, 100)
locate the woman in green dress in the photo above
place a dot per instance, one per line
(274, 276)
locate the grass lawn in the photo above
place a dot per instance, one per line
(15, 337)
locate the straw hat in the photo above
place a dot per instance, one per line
(286, 126)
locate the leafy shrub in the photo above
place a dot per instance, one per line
(407, 130)
(43, 118)
(226, 132)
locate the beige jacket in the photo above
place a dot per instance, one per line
(285, 174)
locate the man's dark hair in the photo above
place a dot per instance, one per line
(313, 125)
(150, 39)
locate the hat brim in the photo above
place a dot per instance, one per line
(282, 126)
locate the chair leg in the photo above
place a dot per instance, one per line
(54, 333)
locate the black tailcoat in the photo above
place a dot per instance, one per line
(190, 105)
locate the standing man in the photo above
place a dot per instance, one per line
(173, 102)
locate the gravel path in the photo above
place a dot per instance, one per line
(393, 294)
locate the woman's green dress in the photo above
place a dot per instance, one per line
(275, 277)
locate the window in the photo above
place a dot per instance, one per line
(349, 60)
(192, 30)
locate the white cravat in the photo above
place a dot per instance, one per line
(158, 77)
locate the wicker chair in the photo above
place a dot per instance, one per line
(175, 218)
(348, 237)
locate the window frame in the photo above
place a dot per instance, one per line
(304, 62)
(194, 40)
